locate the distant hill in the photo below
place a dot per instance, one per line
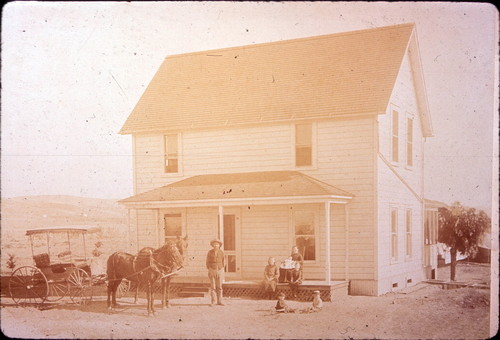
(18, 214)
(47, 211)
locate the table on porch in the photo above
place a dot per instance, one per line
(286, 268)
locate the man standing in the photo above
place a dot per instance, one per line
(215, 266)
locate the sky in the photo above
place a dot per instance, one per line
(72, 72)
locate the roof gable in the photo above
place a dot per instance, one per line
(309, 78)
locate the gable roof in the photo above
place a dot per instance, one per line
(433, 204)
(252, 186)
(309, 78)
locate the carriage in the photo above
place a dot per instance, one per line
(61, 268)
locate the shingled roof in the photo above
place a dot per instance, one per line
(251, 185)
(317, 77)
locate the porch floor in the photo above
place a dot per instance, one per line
(254, 288)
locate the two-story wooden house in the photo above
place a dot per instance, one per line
(315, 142)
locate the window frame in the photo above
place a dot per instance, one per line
(166, 154)
(394, 234)
(409, 233)
(409, 144)
(293, 236)
(312, 145)
(395, 135)
(163, 213)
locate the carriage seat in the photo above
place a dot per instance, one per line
(42, 260)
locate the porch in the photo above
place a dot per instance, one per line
(198, 287)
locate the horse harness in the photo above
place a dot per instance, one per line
(144, 260)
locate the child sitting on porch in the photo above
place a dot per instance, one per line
(295, 279)
(271, 275)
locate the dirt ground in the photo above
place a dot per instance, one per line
(423, 311)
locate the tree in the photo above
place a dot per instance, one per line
(461, 228)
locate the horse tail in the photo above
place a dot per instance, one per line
(111, 267)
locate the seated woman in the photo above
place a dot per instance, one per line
(271, 275)
(295, 279)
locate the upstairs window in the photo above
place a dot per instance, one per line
(303, 145)
(394, 234)
(395, 136)
(409, 142)
(171, 153)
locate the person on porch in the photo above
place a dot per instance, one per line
(289, 263)
(271, 275)
(215, 266)
(295, 279)
(297, 256)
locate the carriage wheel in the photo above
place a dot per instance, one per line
(57, 290)
(80, 286)
(123, 288)
(28, 285)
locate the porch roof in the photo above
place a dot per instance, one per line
(271, 187)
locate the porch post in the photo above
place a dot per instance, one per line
(157, 227)
(221, 234)
(129, 240)
(137, 229)
(327, 227)
(221, 225)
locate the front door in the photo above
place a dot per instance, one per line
(231, 247)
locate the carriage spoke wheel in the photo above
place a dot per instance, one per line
(123, 288)
(57, 290)
(80, 286)
(28, 285)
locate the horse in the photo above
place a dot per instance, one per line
(147, 267)
(182, 245)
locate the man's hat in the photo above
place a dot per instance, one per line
(316, 292)
(281, 294)
(216, 241)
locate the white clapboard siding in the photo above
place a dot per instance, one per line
(347, 160)
(201, 227)
(270, 223)
(394, 192)
(146, 226)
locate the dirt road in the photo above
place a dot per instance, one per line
(423, 311)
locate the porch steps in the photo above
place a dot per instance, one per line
(193, 290)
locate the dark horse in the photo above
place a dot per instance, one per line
(145, 268)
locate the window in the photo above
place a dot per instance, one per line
(408, 233)
(431, 227)
(427, 228)
(395, 136)
(229, 242)
(173, 226)
(305, 238)
(303, 144)
(394, 234)
(171, 154)
(409, 142)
